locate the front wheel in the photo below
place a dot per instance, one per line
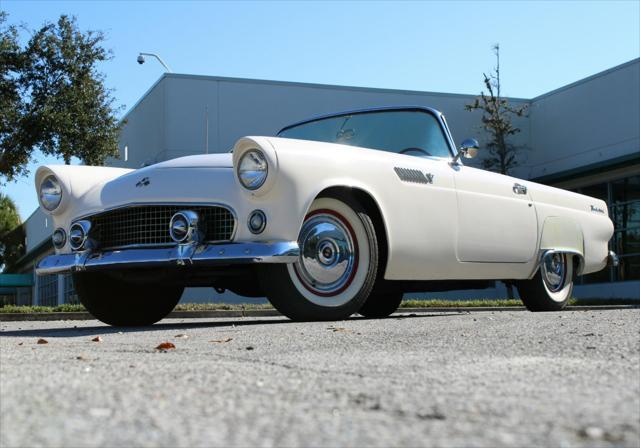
(380, 305)
(337, 267)
(118, 302)
(550, 289)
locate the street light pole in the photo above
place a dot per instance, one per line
(141, 60)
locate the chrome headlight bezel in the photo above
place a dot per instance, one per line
(79, 234)
(51, 199)
(257, 222)
(189, 228)
(260, 169)
(59, 238)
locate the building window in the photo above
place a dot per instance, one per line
(625, 213)
(8, 298)
(623, 200)
(24, 296)
(70, 295)
(48, 290)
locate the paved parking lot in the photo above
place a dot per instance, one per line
(435, 379)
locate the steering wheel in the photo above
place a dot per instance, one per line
(414, 149)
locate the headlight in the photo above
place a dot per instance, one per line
(50, 193)
(253, 169)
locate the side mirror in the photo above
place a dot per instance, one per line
(468, 150)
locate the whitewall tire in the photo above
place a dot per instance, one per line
(550, 289)
(337, 267)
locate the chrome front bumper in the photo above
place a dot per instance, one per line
(182, 255)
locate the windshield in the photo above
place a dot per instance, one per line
(415, 132)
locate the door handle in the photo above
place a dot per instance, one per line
(519, 189)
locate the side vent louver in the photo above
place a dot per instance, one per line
(409, 175)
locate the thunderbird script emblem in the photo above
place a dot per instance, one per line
(143, 182)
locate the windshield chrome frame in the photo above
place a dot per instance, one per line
(436, 113)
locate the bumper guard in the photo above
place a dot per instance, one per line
(613, 259)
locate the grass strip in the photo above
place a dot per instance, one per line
(24, 309)
(409, 303)
(441, 303)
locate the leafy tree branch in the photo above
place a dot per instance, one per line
(53, 98)
(497, 115)
(12, 237)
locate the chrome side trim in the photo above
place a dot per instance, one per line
(180, 255)
(452, 143)
(413, 176)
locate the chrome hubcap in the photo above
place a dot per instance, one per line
(554, 271)
(328, 256)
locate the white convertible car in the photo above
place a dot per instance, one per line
(336, 215)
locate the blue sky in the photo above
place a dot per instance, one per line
(434, 46)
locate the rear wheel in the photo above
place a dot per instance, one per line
(118, 302)
(550, 289)
(337, 267)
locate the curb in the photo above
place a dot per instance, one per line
(15, 317)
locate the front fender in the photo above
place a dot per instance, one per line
(76, 180)
(306, 169)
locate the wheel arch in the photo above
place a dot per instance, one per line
(562, 235)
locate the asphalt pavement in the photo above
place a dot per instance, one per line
(484, 379)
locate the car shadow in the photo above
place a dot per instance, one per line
(76, 331)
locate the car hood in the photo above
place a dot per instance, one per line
(201, 178)
(197, 161)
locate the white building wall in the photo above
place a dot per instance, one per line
(585, 123)
(184, 112)
(38, 228)
(143, 130)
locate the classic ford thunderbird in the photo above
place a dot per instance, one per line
(336, 215)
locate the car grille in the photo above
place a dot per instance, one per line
(149, 225)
